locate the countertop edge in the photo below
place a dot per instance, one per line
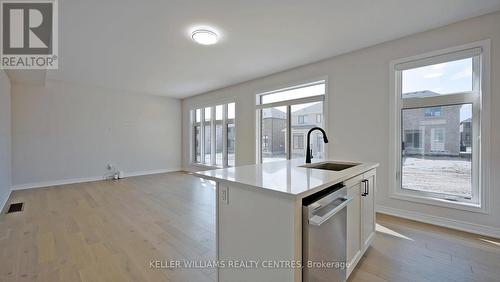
(252, 187)
(364, 167)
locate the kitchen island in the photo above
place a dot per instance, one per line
(259, 215)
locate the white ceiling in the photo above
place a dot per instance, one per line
(144, 46)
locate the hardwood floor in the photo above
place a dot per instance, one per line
(111, 230)
(405, 250)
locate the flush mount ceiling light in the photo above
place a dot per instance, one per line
(204, 37)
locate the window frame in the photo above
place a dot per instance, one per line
(225, 122)
(479, 97)
(208, 136)
(213, 132)
(288, 104)
(193, 141)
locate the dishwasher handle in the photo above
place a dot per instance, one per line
(317, 220)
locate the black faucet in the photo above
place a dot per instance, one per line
(309, 155)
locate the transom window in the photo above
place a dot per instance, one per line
(284, 118)
(438, 126)
(213, 135)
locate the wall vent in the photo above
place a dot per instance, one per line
(16, 207)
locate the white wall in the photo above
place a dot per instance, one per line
(63, 132)
(358, 109)
(5, 139)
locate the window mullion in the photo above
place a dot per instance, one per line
(202, 135)
(399, 126)
(476, 128)
(259, 135)
(213, 141)
(192, 135)
(224, 136)
(476, 151)
(288, 138)
(312, 99)
(445, 100)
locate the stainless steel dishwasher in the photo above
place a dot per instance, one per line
(324, 228)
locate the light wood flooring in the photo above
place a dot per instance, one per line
(111, 230)
(405, 250)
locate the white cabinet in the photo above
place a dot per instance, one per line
(360, 216)
(353, 220)
(258, 226)
(368, 208)
(261, 225)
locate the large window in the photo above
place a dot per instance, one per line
(207, 136)
(438, 126)
(219, 142)
(284, 118)
(274, 133)
(213, 135)
(231, 134)
(197, 136)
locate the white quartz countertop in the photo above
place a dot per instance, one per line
(286, 177)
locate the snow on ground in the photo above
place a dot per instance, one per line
(443, 175)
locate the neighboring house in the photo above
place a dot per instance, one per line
(274, 131)
(434, 131)
(466, 135)
(303, 120)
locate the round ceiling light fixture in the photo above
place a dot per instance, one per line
(204, 37)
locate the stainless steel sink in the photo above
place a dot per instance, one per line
(331, 166)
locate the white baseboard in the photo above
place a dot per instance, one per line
(442, 221)
(43, 184)
(148, 172)
(86, 179)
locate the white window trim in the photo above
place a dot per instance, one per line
(395, 191)
(290, 86)
(192, 117)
